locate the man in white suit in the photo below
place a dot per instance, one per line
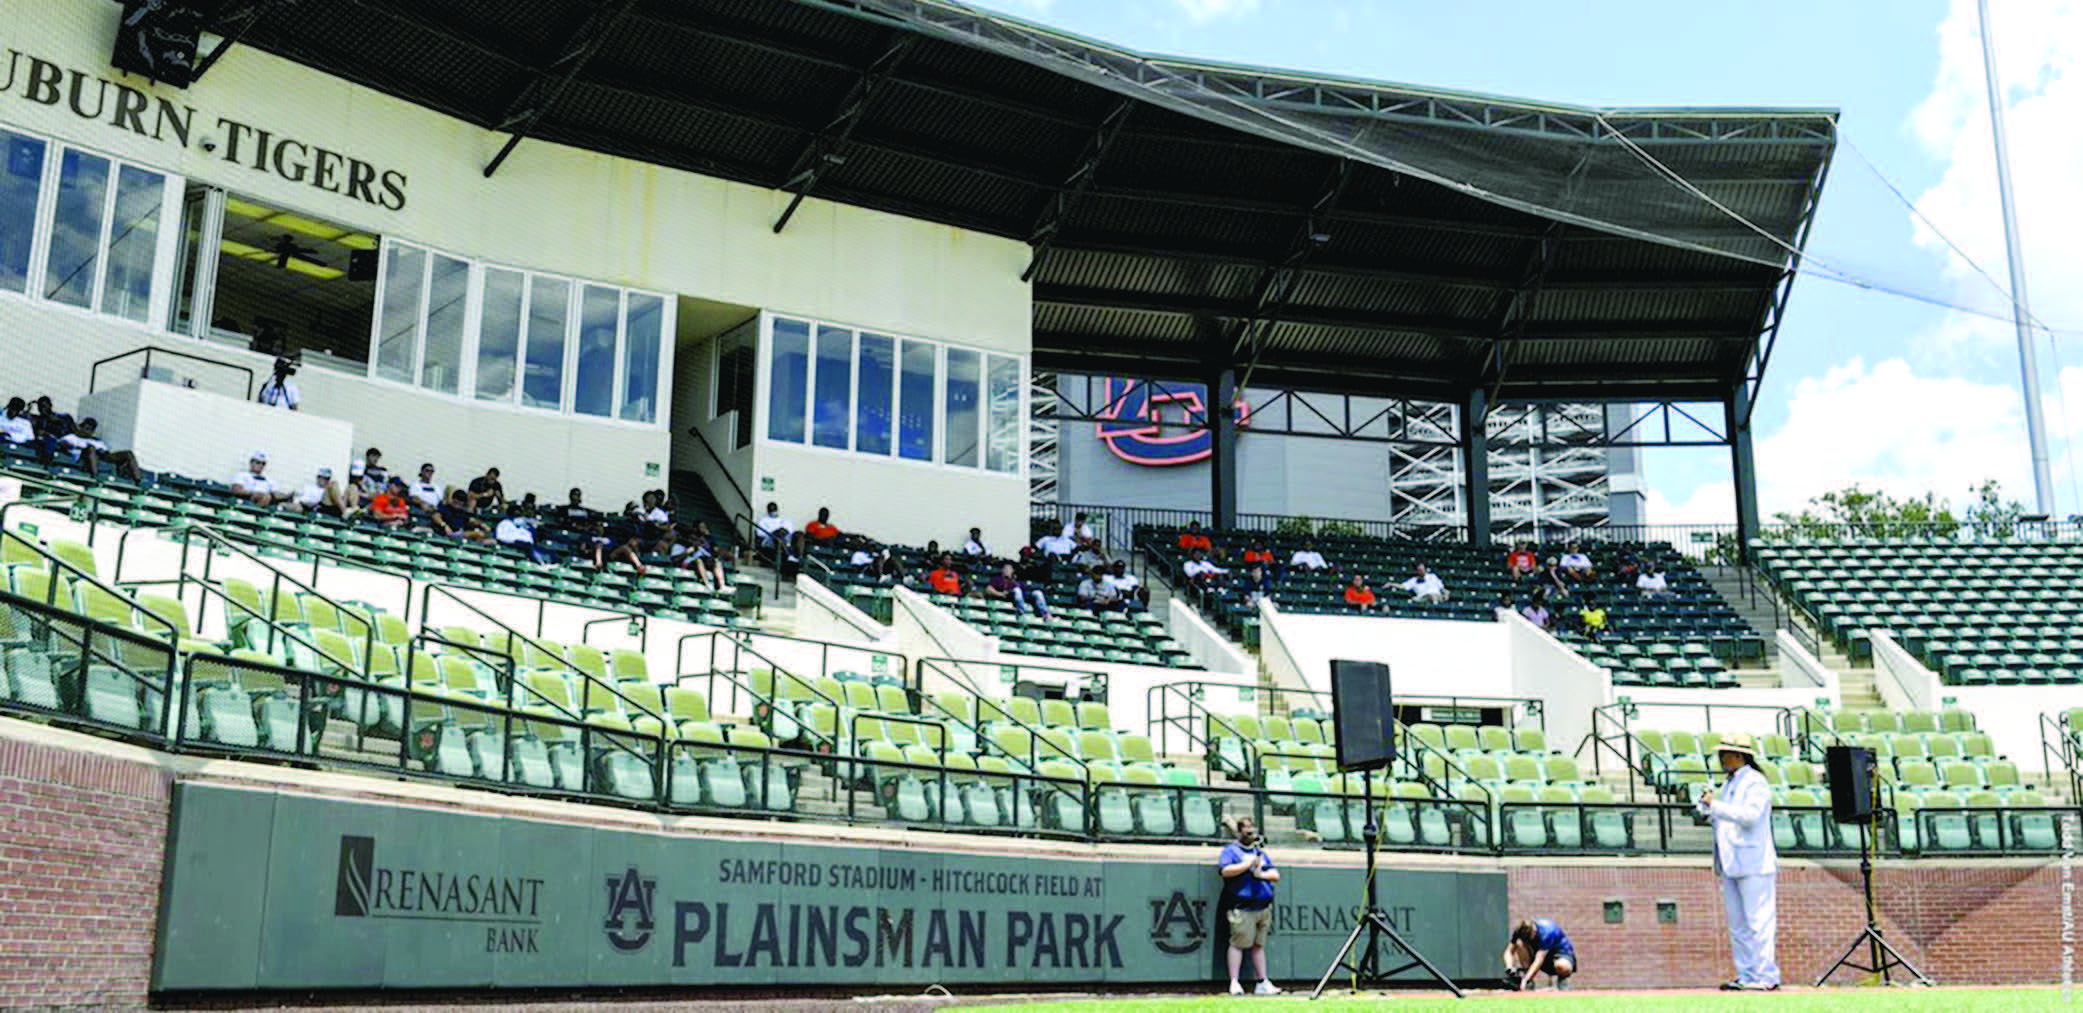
(1748, 864)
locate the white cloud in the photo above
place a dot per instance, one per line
(2040, 62)
(1199, 11)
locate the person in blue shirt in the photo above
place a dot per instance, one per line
(1248, 876)
(1538, 946)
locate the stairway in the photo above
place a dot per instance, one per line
(1753, 604)
(698, 502)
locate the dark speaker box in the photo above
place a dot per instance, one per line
(159, 40)
(1366, 722)
(361, 265)
(1850, 769)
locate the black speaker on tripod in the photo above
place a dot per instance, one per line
(1850, 769)
(1366, 721)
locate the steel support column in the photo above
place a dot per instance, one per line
(827, 147)
(1222, 459)
(528, 108)
(1743, 470)
(1475, 464)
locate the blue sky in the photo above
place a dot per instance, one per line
(1894, 392)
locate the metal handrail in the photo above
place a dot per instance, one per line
(94, 370)
(1034, 733)
(739, 646)
(699, 437)
(586, 680)
(214, 539)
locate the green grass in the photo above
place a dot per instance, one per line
(1875, 1000)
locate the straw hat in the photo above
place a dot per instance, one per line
(1740, 742)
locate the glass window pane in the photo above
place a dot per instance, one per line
(878, 368)
(834, 387)
(133, 244)
(21, 176)
(448, 291)
(549, 308)
(964, 379)
(283, 274)
(1002, 430)
(788, 380)
(76, 228)
(600, 312)
(405, 270)
(915, 406)
(641, 336)
(499, 335)
(735, 367)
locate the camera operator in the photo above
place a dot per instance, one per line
(1248, 876)
(280, 391)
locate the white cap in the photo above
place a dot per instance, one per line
(259, 455)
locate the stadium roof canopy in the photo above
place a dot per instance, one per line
(1187, 218)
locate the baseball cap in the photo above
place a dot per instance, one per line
(259, 455)
(325, 473)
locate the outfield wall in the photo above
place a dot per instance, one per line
(83, 848)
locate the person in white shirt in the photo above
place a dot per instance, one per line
(320, 495)
(254, 485)
(1080, 531)
(1426, 586)
(1652, 583)
(975, 545)
(15, 427)
(280, 391)
(1748, 864)
(776, 533)
(1307, 558)
(516, 531)
(1056, 545)
(89, 451)
(1201, 569)
(1128, 586)
(1575, 564)
(425, 492)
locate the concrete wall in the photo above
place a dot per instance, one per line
(209, 435)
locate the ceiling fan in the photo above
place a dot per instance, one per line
(286, 246)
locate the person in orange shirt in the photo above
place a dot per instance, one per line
(1359, 595)
(1522, 563)
(944, 579)
(822, 529)
(1194, 538)
(1259, 555)
(389, 507)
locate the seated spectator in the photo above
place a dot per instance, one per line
(945, 579)
(660, 532)
(84, 447)
(367, 479)
(455, 519)
(1194, 538)
(975, 545)
(1058, 546)
(822, 529)
(777, 535)
(254, 486)
(1256, 584)
(1134, 596)
(391, 508)
(518, 532)
(1096, 594)
(1550, 580)
(51, 426)
(1359, 595)
(1079, 530)
(1089, 554)
(1200, 569)
(881, 566)
(1576, 565)
(424, 492)
(702, 556)
(15, 426)
(1652, 583)
(1307, 558)
(320, 495)
(486, 494)
(1426, 587)
(1591, 619)
(1258, 553)
(1536, 612)
(575, 514)
(1036, 568)
(1006, 585)
(1521, 563)
(1630, 566)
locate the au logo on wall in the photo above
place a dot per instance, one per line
(1143, 421)
(632, 914)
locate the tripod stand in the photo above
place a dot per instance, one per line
(1880, 956)
(1374, 922)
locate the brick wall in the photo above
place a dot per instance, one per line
(81, 838)
(1961, 922)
